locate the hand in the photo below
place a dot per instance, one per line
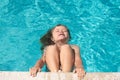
(34, 70)
(80, 72)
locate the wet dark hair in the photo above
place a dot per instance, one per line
(46, 39)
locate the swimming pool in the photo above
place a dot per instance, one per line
(94, 26)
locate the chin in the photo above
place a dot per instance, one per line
(62, 39)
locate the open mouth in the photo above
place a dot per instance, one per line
(61, 35)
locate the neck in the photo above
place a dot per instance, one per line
(60, 43)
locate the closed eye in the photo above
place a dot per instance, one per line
(64, 30)
(56, 30)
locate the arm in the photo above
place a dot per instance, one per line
(37, 67)
(78, 63)
(39, 64)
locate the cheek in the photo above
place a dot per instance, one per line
(54, 36)
(67, 35)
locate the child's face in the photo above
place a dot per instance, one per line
(60, 33)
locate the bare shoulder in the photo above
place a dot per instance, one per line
(76, 50)
(75, 47)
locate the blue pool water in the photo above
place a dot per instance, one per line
(94, 26)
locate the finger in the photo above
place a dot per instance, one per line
(30, 72)
(34, 74)
(84, 73)
(74, 71)
(80, 75)
(39, 70)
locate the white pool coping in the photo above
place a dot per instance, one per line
(9, 75)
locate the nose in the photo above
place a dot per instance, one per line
(61, 31)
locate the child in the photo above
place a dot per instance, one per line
(58, 54)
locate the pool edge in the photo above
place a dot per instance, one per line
(19, 75)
